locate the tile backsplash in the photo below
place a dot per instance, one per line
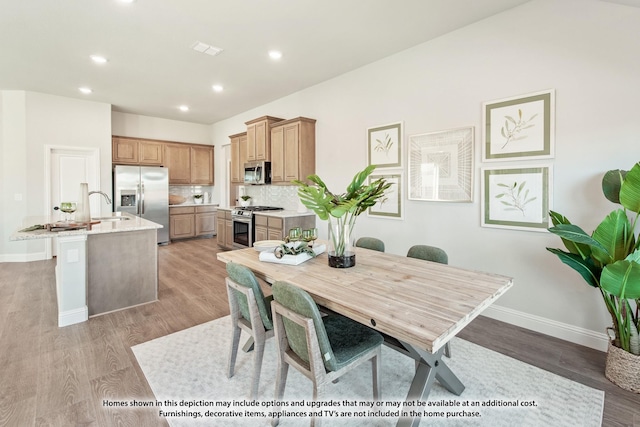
(285, 196)
(187, 191)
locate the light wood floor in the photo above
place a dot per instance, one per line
(52, 376)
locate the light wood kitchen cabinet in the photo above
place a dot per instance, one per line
(205, 220)
(178, 160)
(182, 222)
(238, 156)
(201, 165)
(293, 150)
(277, 227)
(259, 138)
(225, 229)
(136, 151)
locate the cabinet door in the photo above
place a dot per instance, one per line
(291, 152)
(275, 234)
(277, 154)
(235, 160)
(222, 230)
(178, 160)
(151, 153)
(205, 224)
(261, 234)
(263, 150)
(243, 156)
(181, 226)
(228, 224)
(202, 165)
(251, 143)
(124, 151)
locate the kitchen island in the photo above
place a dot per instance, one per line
(112, 266)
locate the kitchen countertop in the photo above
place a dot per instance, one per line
(182, 205)
(135, 223)
(284, 214)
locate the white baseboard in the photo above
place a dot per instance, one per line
(38, 256)
(564, 331)
(71, 317)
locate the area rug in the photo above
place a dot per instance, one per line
(187, 373)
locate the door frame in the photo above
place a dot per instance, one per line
(91, 152)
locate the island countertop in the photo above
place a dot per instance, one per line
(108, 225)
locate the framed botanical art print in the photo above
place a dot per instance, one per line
(517, 197)
(390, 205)
(385, 145)
(519, 128)
(441, 166)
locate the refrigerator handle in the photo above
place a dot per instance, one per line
(142, 197)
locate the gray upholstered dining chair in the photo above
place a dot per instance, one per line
(322, 348)
(370, 243)
(431, 253)
(251, 312)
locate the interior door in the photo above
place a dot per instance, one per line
(68, 168)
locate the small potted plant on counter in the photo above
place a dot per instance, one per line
(341, 210)
(197, 198)
(609, 260)
(245, 200)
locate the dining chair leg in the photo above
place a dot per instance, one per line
(447, 350)
(235, 341)
(281, 380)
(258, 353)
(375, 369)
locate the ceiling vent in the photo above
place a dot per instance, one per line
(206, 48)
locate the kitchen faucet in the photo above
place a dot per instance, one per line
(103, 194)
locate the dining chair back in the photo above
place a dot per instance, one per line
(370, 243)
(249, 311)
(322, 348)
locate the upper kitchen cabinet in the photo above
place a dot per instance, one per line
(189, 163)
(238, 156)
(202, 165)
(136, 151)
(258, 138)
(293, 150)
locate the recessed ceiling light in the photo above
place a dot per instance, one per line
(183, 108)
(85, 90)
(275, 54)
(98, 59)
(127, 1)
(217, 88)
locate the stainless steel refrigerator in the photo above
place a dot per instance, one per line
(143, 191)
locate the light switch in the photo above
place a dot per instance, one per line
(72, 255)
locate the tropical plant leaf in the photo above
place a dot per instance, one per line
(630, 189)
(611, 183)
(613, 234)
(576, 234)
(622, 279)
(585, 267)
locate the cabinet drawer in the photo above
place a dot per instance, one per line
(183, 210)
(275, 222)
(205, 209)
(222, 214)
(261, 220)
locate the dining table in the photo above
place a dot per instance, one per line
(417, 305)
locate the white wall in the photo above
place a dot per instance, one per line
(134, 125)
(584, 49)
(30, 122)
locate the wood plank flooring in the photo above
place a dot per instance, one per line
(52, 376)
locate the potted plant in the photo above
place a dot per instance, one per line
(197, 198)
(609, 260)
(246, 200)
(341, 210)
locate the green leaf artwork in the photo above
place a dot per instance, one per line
(512, 127)
(515, 197)
(384, 145)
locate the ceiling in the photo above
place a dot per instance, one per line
(152, 69)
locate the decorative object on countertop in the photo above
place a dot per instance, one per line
(197, 199)
(609, 260)
(341, 210)
(245, 200)
(302, 255)
(68, 208)
(207, 197)
(175, 199)
(83, 214)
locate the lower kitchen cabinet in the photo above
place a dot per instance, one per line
(277, 227)
(225, 229)
(191, 221)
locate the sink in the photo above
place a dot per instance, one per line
(111, 218)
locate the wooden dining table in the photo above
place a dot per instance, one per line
(417, 305)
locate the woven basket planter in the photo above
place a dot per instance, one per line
(623, 368)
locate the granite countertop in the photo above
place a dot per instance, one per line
(190, 204)
(134, 223)
(285, 213)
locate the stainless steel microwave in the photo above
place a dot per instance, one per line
(257, 173)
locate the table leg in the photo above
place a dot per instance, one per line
(430, 367)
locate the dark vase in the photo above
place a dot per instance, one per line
(345, 261)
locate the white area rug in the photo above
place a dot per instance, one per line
(190, 366)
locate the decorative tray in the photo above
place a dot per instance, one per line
(269, 256)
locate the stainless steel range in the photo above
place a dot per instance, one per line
(243, 224)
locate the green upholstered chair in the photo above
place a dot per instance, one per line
(251, 312)
(322, 348)
(370, 243)
(431, 253)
